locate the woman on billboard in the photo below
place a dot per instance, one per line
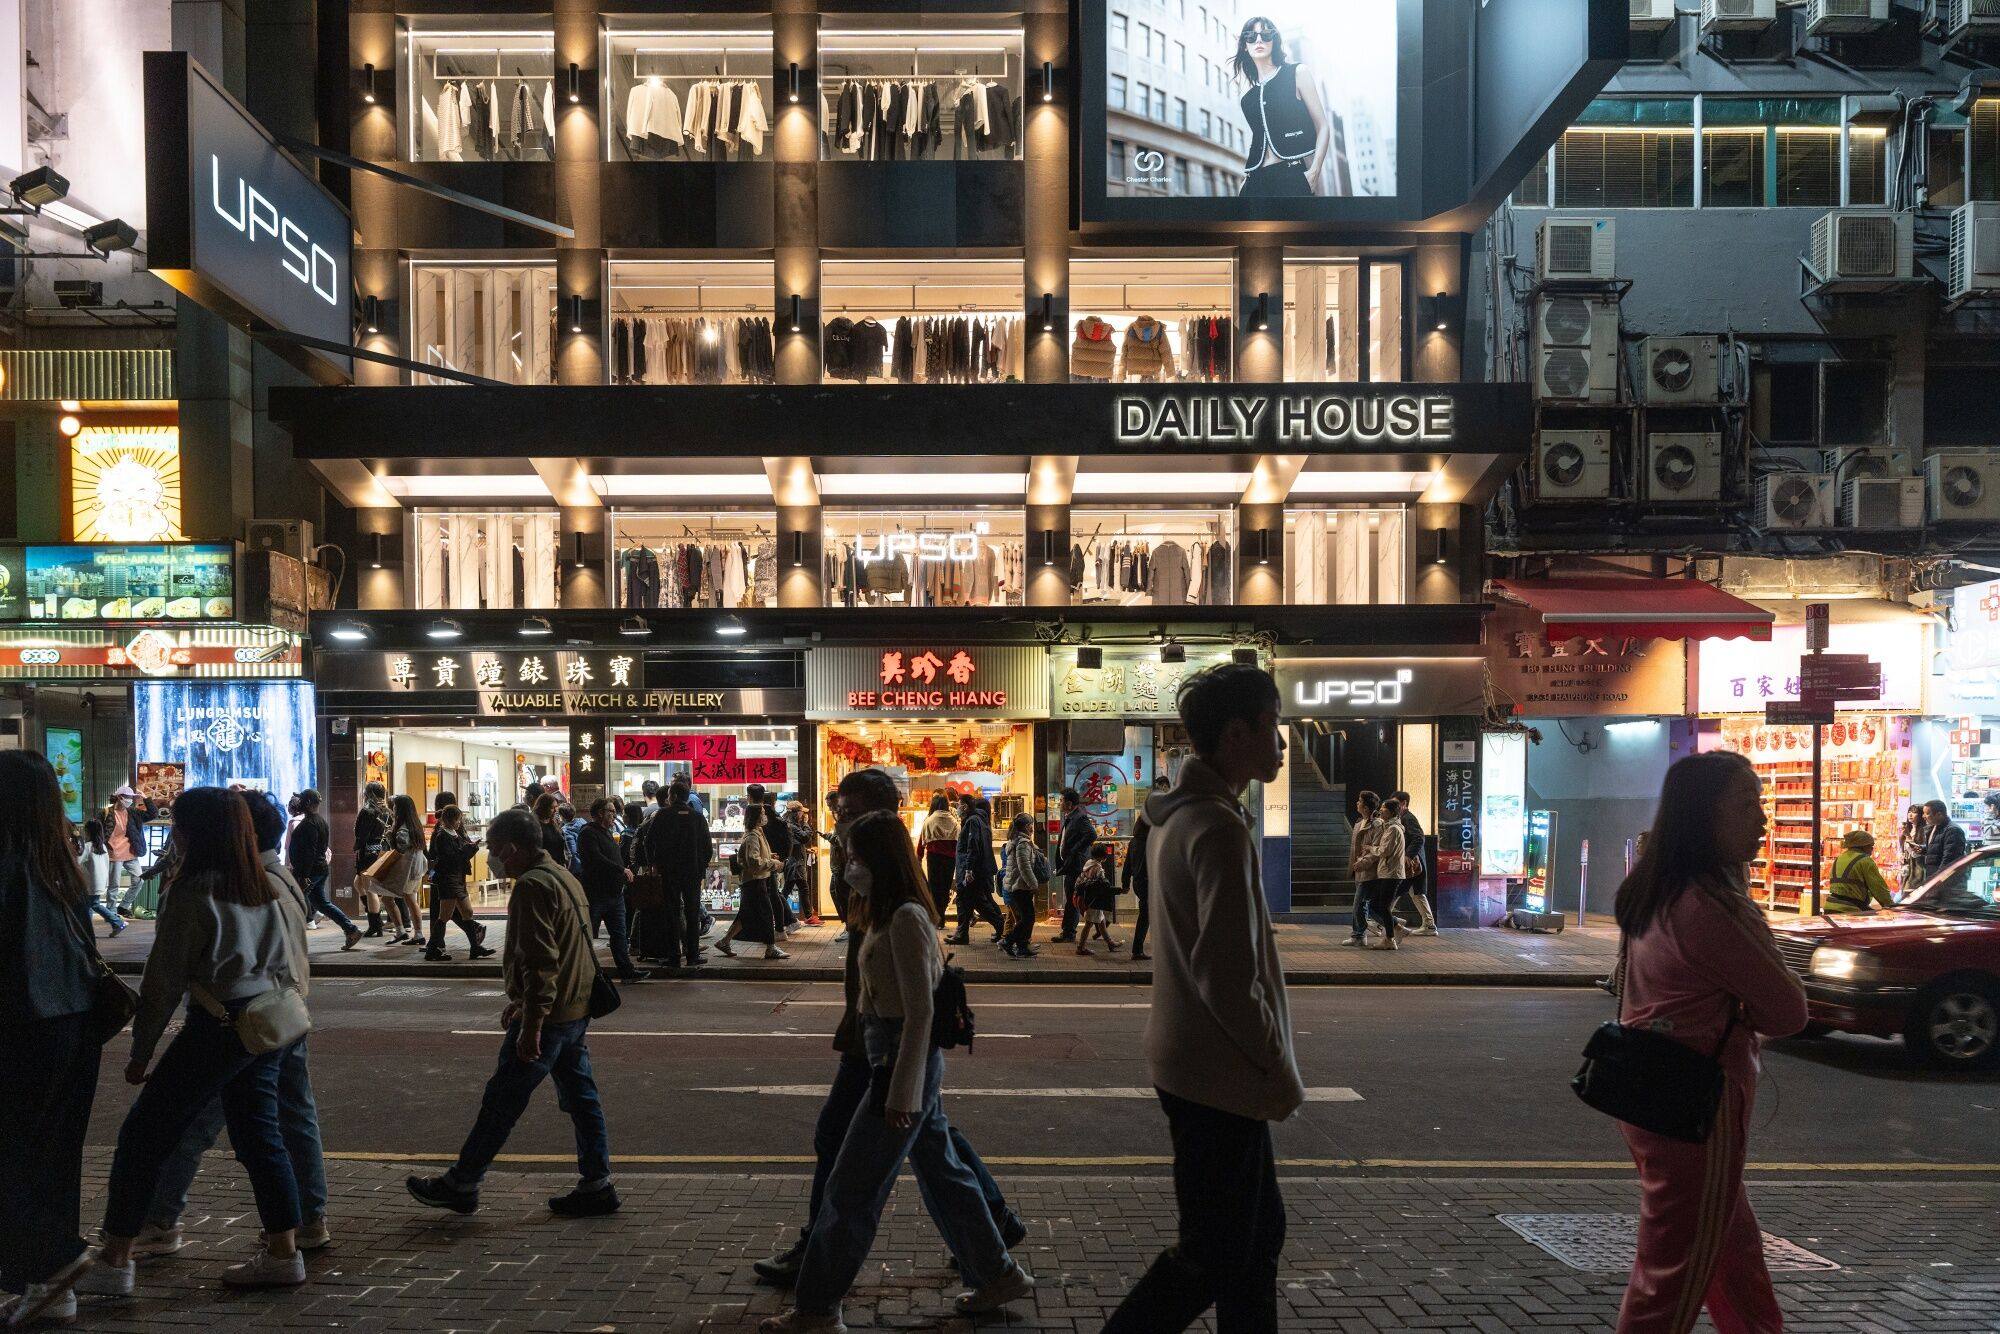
(1290, 134)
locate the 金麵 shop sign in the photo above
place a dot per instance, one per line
(923, 680)
(1132, 683)
(711, 756)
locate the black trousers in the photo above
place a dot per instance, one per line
(1070, 913)
(938, 868)
(976, 900)
(1022, 901)
(1278, 180)
(679, 936)
(1381, 895)
(1145, 919)
(1232, 1229)
(45, 1095)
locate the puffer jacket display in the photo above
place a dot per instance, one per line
(1093, 355)
(1148, 356)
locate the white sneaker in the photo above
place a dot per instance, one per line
(99, 1279)
(154, 1242)
(1013, 1285)
(265, 1270)
(1388, 943)
(41, 1304)
(841, 939)
(1352, 942)
(1425, 931)
(312, 1235)
(775, 953)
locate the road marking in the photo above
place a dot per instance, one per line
(819, 1091)
(404, 992)
(687, 1033)
(999, 1005)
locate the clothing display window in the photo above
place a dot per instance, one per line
(947, 321)
(722, 802)
(912, 558)
(933, 95)
(1353, 555)
(1152, 558)
(479, 96)
(1161, 319)
(690, 322)
(493, 320)
(695, 560)
(1344, 321)
(685, 95)
(486, 561)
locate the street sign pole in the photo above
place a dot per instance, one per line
(1818, 732)
(1818, 638)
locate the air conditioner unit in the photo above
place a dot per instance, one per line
(293, 537)
(1738, 15)
(1576, 249)
(1975, 249)
(1882, 504)
(1677, 370)
(1829, 18)
(1962, 486)
(1961, 18)
(1573, 465)
(1576, 348)
(1859, 248)
(1652, 15)
(1847, 462)
(1684, 467)
(1796, 500)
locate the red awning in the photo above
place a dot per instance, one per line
(1592, 607)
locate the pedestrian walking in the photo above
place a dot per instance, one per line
(860, 793)
(975, 870)
(451, 852)
(308, 855)
(778, 835)
(371, 840)
(1219, 1037)
(681, 847)
(549, 969)
(1097, 893)
(1361, 862)
(224, 943)
(605, 876)
(802, 867)
(1857, 884)
(1944, 841)
(939, 843)
(1026, 871)
(1414, 866)
(549, 828)
(1386, 876)
(1914, 834)
(1699, 965)
(754, 865)
(1137, 881)
(900, 964)
(403, 879)
(298, 1112)
(1073, 844)
(94, 856)
(125, 838)
(48, 980)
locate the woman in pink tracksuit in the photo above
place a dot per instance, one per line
(1696, 953)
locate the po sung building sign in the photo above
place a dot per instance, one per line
(1387, 687)
(236, 223)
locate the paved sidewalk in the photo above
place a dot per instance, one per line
(1363, 1254)
(1313, 954)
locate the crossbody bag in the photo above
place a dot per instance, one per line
(1648, 1080)
(112, 1003)
(272, 1019)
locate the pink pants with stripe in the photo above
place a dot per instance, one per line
(1699, 1243)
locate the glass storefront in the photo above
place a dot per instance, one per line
(722, 558)
(925, 558)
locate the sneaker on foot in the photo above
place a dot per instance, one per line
(353, 939)
(775, 953)
(41, 1304)
(841, 939)
(813, 920)
(265, 1270)
(313, 1235)
(441, 1193)
(798, 1322)
(590, 1202)
(98, 1279)
(1388, 943)
(154, 1241)
(1013, 1285)
(781, 1269)
(1353, 943)
(1425, 931)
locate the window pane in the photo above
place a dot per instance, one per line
(1120, 31)
(1985, 131)
(1946, 178)
(1117, 91)
(1385, 323)
(1322, 321)
(1732, 171)
(1866, 169)
(1533, 192)
(1808, 168)
(1635, 168)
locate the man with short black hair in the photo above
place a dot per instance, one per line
(1219, 1038)
(1073, 845)
(604, 878)
(678, 841)
(1946, 843)
(307, 854)
(549, 968)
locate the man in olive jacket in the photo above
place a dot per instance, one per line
(549, 968)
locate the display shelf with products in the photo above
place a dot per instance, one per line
(1975, 777)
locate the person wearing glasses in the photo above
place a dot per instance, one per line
(1290, 134)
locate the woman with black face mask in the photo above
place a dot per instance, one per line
(1290, 135)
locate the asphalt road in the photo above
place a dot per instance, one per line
(1437, 1079)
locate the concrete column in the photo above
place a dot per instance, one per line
(1045, 148)
(579, 156)
(1048, 579)
(583, 583)
(795, 196)
(1260, 353)
(378, 269)
(1260, 582)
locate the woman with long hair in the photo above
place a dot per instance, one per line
(406, 876)
(47, 984)
(801, 867)
(451, 851)
(939, 844)
(900, 963)
(94, 856)
(1290, 134)
(1698, 964)
(222, 941)
(371, 840)
(756, 915)
(548, 818)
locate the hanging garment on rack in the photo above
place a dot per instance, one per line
(453, 117)
(521, 127)
(1207, 341)
(1167, 574)
(1147, 353)
(752, 124)
(549, 117)
(1217, 589)
(1092, 356)
(653, 114)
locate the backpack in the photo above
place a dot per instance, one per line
(951, 1011)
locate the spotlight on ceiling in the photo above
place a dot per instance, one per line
(43, 185)
(536, 627)
(444, 628)
(349, 632)
(113, 234)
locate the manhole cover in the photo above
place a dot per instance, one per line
(1606, 1243)
(404, 991)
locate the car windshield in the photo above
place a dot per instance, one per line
(1969, 887)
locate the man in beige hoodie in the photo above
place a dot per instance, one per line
(1219, 1040)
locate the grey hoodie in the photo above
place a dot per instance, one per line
(1220, 1032)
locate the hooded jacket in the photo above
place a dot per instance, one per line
(1094, 355)
(1220, 1031)
(1147, 356)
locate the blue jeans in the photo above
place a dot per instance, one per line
(316, 899)
(566, 1059)
(864, 1172)
(205, 1060)
(610, 910)
(102, 907)
(298, 1120)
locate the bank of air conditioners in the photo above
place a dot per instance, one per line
(1678, 372)
(1862, 249)
(1651, 15)
(1576, 249)
(1797, 501)
(1837, 18)
(1962, 486)
(1876, 488)
(1973, 263)
(1737, 15)
(1572, 466)
(1576, 347)
(1955, 19)
(1682, 468)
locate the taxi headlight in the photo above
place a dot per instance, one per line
(1837, 964)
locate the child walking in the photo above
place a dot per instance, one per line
(1097, 892)
(95, 859)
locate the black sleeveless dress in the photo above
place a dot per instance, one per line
(1278, 119)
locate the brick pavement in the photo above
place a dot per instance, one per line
(1312, 953)
(1364, 1254)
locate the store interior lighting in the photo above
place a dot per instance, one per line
(688, 485)
(1329, 483)
(1229, 484)
(497, 486)
(985, 485)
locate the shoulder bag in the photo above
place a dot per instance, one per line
(112, 1003)
(1648, 1080)
(604, 997)
(272, 1019)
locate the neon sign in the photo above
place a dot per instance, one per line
(918, 546)
(1361, 692)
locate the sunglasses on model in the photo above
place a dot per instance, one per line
(1260, 34)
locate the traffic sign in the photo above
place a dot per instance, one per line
(1819, 626)
(1839, 676)
(1808, 710)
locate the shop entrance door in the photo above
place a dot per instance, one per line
(1332, 763)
